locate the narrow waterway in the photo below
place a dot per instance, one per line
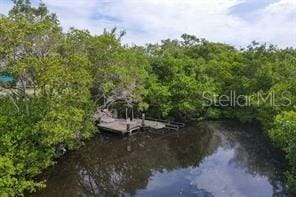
(205, 159)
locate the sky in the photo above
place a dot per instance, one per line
(235, 22)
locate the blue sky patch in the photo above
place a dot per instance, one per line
(248, 8)
(104, 17)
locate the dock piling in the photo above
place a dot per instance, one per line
(143, 119)
(128, 124)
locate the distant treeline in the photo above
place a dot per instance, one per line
(63, 77)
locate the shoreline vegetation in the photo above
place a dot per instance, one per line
(61, 78)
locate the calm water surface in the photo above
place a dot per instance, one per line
(206, 159)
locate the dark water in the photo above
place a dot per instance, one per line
(207, 159)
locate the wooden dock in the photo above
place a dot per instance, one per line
(127, 128)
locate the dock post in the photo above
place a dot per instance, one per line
(143, 119)
(128, 125)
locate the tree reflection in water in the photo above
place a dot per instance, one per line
(205, 159)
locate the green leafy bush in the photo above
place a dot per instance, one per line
(284, 135)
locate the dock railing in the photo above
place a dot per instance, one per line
(168, 123)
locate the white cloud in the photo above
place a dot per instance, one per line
(153, 20)
(275, 24)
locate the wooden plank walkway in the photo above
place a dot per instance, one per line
(126, 127)
(120, 126)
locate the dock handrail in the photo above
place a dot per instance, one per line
(167, 122)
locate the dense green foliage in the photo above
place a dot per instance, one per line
(263, 78)
(60, 79)
(284, 134)
(49, 110)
